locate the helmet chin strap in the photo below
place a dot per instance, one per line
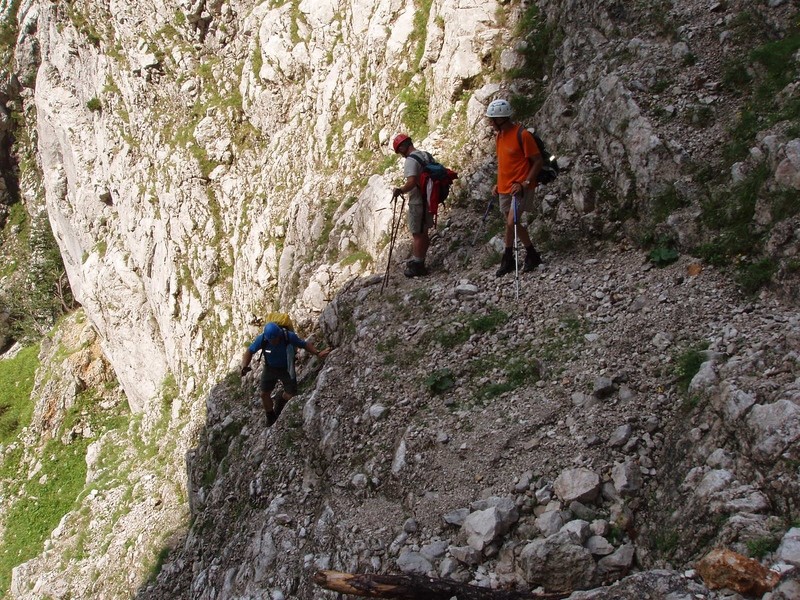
(497, 124)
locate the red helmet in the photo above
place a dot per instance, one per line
(401, 137)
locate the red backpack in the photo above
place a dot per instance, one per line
(434, 182)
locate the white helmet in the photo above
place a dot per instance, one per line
(499, 108)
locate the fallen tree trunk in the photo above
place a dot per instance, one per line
(411, 587)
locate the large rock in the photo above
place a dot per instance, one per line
(775, 429)
(627, 478)
(788, 171)
(722, 568)
(732, 402)
(579, 484)
(414, 562)
(616, 564)
(483, 526)
(789, 550)
(558, 563)
(648, 584)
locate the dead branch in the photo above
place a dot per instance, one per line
(411, 587)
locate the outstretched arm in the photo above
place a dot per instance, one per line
(246, 358)
(319, 353)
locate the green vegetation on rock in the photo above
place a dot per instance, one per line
(16, 384)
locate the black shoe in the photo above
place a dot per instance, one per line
(532, 260)
(271, 418)
(415, 268)
(506, 266)
(279, 404)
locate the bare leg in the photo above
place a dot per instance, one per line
(420, 243)
(522, 232)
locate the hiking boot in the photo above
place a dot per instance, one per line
(532, 260)
(414, 268)
(506, 265)
(278, 403)
(271, 418)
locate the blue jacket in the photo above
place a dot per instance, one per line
(277, 356)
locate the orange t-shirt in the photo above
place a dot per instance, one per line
(512, 163)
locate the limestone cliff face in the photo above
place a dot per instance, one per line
(205, 162)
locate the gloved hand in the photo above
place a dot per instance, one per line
(396, 192)
(245, 370)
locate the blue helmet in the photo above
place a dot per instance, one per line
(272, 331)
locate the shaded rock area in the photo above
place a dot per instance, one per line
(515, 475)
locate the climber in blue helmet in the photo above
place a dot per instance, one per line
(275, 342)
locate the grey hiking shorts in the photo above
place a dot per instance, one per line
(525, 203)
(419, 219)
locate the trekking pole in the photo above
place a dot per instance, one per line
(393, 235)
(516, 248)
(483, 221)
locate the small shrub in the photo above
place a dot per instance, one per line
(541, 39)
(667, 541)
(701, 115)
(666, 203)
(751, 277)
(419, 32)
(760, 547)
(689, 403)
(256, 59)
(363, 257)
(735, 77)
(517, 373)
(490, 259)
(440, 381)
(527, 106)
(421, 295)
(662, 256)
(415, 115)
(388, 344)
(452, 335)
(660, 85)
(158, 563)
(687, 365)
(94, 105)
(490, 322)
(730, 213)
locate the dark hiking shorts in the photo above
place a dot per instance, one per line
(270, 376)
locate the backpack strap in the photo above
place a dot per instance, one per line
(519, 137)
(422, 164)
(428, 156)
